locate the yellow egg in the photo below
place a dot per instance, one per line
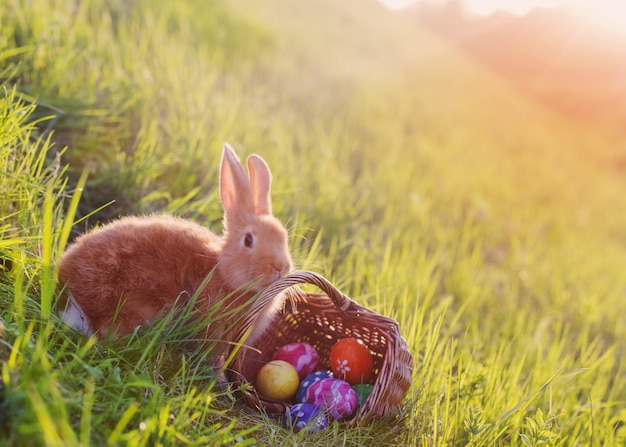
(277, 380)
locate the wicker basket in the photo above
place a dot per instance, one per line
(321, 320)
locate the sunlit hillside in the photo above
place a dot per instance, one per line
(424, 184)
(421, 91)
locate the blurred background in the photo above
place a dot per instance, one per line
(567, 55)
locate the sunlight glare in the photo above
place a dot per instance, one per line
(609, 14)
(517, 7)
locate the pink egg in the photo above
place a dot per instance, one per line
(334, 396)
(301, 356)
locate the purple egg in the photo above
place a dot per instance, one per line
(334, 396)
(310, 380)
(301, 355)
(304, 415)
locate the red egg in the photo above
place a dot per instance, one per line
(351, 361)
(301, 356)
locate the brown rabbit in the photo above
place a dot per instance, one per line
(133, 270)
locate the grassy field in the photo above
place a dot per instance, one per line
(423, 186)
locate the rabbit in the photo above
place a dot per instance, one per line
(133, 270)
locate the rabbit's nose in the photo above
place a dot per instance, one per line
(280, 271)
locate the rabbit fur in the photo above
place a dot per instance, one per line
(134, 270)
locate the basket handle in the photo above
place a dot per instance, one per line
(306, 277)
(267, 295)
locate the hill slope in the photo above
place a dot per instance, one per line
(412, 89)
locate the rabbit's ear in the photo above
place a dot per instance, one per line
(261, 182)
(234, 183)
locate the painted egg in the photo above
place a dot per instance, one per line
(277, 380)
(363, 391)
(334, 396)
(302, 356)
(305, 415)
(351, 361)
(308, 381)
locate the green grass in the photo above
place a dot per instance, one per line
(423, 186)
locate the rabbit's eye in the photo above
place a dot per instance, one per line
(248, 240)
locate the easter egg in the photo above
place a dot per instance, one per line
(302, 356)
(305, 415)
(334, 396)
(363, 391)
(351, 361)
(308, 381)
(277, 380)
